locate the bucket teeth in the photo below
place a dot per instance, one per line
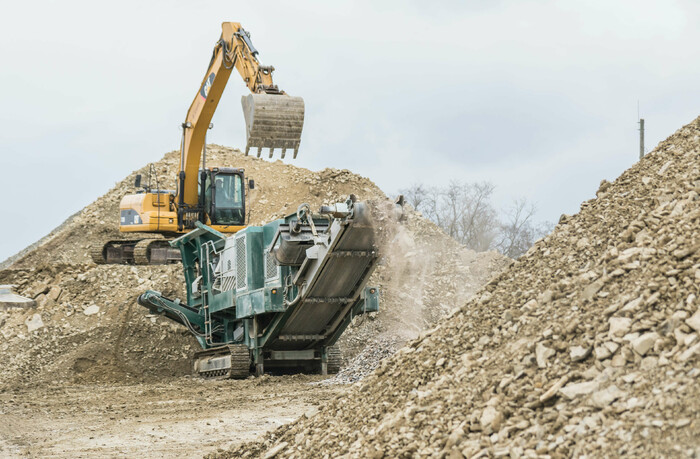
(273, 121)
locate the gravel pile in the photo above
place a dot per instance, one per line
(586, 346)
(86, 326)
(367, 360)
(279, 189)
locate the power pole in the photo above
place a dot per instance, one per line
(641, 138)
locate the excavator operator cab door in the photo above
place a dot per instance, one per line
(224, 196)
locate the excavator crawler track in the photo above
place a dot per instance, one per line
(115, 252)
(135, 252)
(224, 362)
(141, 251)
(155, 252)
(97, 255)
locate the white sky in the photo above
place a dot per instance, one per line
(538, 97)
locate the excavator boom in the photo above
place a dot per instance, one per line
(274, 120)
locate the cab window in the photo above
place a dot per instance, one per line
(228, 200)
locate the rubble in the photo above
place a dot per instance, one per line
(694, 321)
(91, 310)
(367, 359)
(94, 332)
(497, 378)
(34, 323)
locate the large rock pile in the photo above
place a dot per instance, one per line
(587, 346)
(87, 327)
(279, 189)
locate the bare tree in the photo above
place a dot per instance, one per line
(518, 232)
(464, 211)
(415, 195)
(479, 222)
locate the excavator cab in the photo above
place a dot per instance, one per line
(224, 196)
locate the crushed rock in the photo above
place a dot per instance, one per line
(367, 360)
(497, 378)
(34, 323)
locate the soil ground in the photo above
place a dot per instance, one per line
(184, 417)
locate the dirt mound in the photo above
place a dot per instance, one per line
(87, 326)
(91, 328)
(586, 346)
(279, 189)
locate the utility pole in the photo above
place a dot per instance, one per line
(641, 138)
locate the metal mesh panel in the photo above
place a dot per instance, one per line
(241, 266)
(270, 266)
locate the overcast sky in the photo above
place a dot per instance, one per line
(538, 97)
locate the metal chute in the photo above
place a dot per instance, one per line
(273, 121)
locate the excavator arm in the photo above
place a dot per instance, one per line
(258, 78)
(273, 119)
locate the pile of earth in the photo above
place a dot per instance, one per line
(87, 327)
(279, 189)
(587, 346)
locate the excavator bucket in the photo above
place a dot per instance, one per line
(273, 121)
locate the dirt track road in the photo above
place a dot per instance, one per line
(181, 418)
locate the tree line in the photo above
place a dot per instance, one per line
(465, 212)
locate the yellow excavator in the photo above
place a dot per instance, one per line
(213, 196)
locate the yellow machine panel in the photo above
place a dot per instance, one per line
(147, 213)
(154, 213)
